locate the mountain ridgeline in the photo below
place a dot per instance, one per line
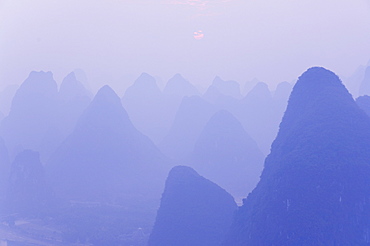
(227, 155)
(315, 186)
(27, 191)
(193, 211)
(80, 169)
(106, 158)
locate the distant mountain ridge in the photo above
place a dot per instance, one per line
(31, 120)
(106, 158)
(227, 155)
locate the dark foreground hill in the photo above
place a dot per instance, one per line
(194, 211)
(315, 187)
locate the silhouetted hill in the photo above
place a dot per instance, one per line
(152, 111)
(193, 211)
(106, 158)
(315, 187)
(4, 169)
(31, 121)
(354, 81)
(257, 115)
(282, 92)
(189, 122)
(365, 83)
(249, 85)
(220, 88)
(27, 192)
(178, 86)
(176, 89)
(73, 99)
(144, 103)
(82, 78)
(226, 154)
(280, 101)
(220, 100)
(364, 103)
(228, 88)
(6, 97)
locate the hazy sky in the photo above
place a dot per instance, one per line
(113, 41)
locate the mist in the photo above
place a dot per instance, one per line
(115, 41)
(184, 122)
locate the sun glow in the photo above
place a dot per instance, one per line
(198, 35)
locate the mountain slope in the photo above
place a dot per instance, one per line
(31, 121)
(315, 187)
(226, 154)
(106, 158)
(193, 211)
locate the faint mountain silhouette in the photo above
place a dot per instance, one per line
(144, 103)
(364, 103)
(220, 88)
(226, 154)
(31, 121)
(28, 192)
(4, 169)
(180, 87)
(249, 85)
(256, 113)
(190, 120)
(365, 83)
(73, 99)
(106, 158)
(6, 97)
(354, 81)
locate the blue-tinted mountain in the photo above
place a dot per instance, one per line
(4, 169)
(82, 78)
(152, 111)
(249, 85)
(315, 186)
(227, 155)
(364, 103)
(365, 83)
(6, 97)
(220, 88)
(27, 191)
(220, 100)
(178, 86)
(280, 101)
(31, 120)
(282, 92)
(106, 158)
(193, 211)
(73, 99)
(353, 82)
(144, 103)
(174, 92)
(192, 116)
(256, 113)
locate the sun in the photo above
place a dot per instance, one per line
(198, 35)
